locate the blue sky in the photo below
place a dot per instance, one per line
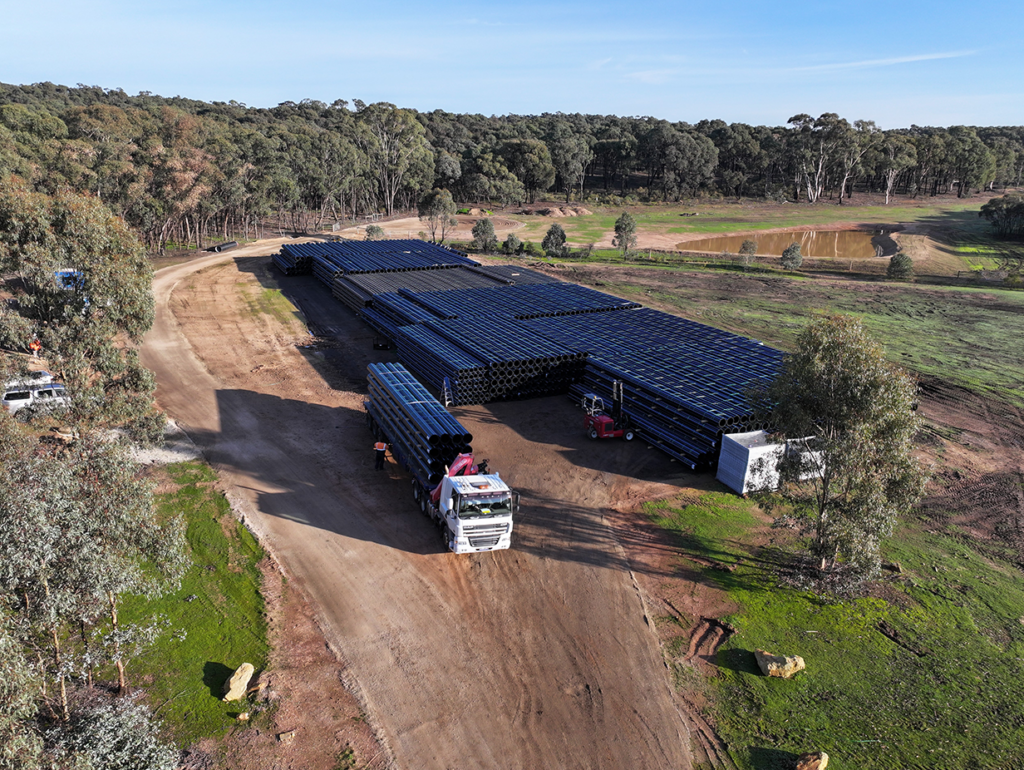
(897, 63)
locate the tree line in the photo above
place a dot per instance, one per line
(185, 171)
(78, 531)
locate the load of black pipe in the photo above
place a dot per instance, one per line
(684, 383)
(423, 436)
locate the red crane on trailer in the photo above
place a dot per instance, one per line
(601, 424)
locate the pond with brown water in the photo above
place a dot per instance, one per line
(845, 244)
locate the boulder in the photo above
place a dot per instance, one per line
(238, 683)
(286, 737)
(785, 666)
(816, 760)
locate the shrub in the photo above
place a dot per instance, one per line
(513, 245)
(483, 236)
(374, 233)
(791, 257)
(901, 267)
(554, 242)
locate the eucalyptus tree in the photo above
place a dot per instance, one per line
(118, 735)
(625, 233)
(83, 326)
(78, 532)
(971, 163)
(554, 241)
(21, 746)
(530, 161)
(398, 155)
(852, 417)
(897, 155)
(483, 235)
(859, 141)
(571, 155)
(437, 209)
(819, 145)
(614, 153)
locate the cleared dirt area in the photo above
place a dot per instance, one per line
(548, 655)
(545, 655)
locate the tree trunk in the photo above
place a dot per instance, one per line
(121, 683)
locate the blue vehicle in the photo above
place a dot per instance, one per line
(73, 281)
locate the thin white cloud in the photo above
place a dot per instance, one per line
(653, 77)
(881, 62)
(600, 63)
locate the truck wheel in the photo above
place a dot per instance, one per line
(423, 504)
(415, 491)
(593, 433)
(628, 435)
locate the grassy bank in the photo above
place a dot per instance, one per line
(922, 674)
(214, 623)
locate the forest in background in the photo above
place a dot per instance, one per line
(185, 172)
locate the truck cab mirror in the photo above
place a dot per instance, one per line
(448, 504)
(515, 502)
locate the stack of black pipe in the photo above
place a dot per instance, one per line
(422, 435)
(685, 384)
(358, 291)
(513, 274)
(439, 360)
(522, 302)
(325, 269)
(489, 359)
(290, 263)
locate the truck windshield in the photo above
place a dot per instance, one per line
(472, 507)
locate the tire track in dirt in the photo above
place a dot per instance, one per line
(528, 658)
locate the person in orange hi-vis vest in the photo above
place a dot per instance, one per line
(381, 449)
(35, 346)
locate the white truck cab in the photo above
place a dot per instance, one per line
(477, 513)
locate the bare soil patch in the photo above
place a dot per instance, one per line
(411, 227)
(556, 652)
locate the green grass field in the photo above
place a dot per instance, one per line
(215, 621)
(944, 695)
(719, 218)
(971, 337)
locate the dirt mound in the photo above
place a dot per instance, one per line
(564, 211)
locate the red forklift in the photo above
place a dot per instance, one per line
(602, 424)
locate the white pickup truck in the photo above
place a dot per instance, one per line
(35, 394)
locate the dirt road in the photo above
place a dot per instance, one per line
(542, 656)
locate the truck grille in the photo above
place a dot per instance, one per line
(485, 535)
(485, 529)
(483, 542)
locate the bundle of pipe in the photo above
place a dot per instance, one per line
(290, 263)
(285, 265)
(358, 291)
(392, 256)
(521, 302)
(300, 256)
(513, 274)
(325, 269)
(520, 362)
(436, 359)
(403, 309)
(421, 432)
(684, 383)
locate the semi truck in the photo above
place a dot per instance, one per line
(471, 506)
